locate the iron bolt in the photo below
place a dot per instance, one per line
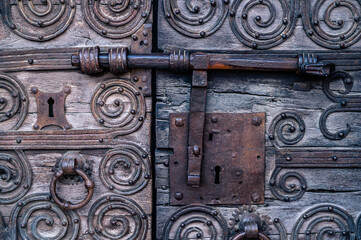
(178, 195)
(30, 61)
(334, 158)
(256, 121)
(179, 122)
(36, 127)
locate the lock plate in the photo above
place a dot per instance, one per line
(232, 170)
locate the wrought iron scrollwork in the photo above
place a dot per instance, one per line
(38, 22)
(287, 192)
(259, 33)
(114, 18)
(116, 217)
(325, 220)
(125, 170)
(196, 20)
(118, 103)
(13, 101)
(196, 221)
(288, 127)
(38, 209)
(351, 103)
(332, 33)
(15, 176)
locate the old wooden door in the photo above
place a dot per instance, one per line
(276, 154)
(256, 123)
(74, 147)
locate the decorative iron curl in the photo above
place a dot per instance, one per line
(116, 18)
(36, 24)
(125, 170)
(118, 104)
(37, 209)
(15, 177)
(15, 102)
(292, 123)
(327, 32)
(344, 103)
(196, 20)
(281, 191)
(196, 221)
(129, 221)
(325, 220)
(263, 33)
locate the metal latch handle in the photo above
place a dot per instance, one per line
(70, 167)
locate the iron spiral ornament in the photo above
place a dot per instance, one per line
(36, 213)
(15, 176)
(263, 32)
(196, 222)
(115, 217)
(287, 127)
(116, 18)
(328, 31)
(196, 19)
(13, 101)
(118, 104)
(38, 21)
(325, 222)
(125, 170)
(289, 186)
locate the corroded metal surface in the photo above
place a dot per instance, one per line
(51, 108)
(233, 161)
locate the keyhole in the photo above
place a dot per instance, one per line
(217, 170)
(51, 107)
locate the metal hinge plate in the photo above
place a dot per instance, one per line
(232, 169)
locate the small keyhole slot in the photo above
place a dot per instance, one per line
(51, 107)
(217, 171)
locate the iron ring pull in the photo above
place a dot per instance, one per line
(70, 167)
(242, 236)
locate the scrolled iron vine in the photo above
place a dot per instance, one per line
(335, 222)
(327, 32)
(35, 23)
(284, 192)
(116, 18)
(210, 224)
(290, 122)
(344, 103)
(118, 103)
(15, 176)
(263, 33)
(128, 222)
(37, 209)
(13, 102)
(125, 170)
(196, 20)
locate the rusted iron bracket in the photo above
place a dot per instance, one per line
(232, 167)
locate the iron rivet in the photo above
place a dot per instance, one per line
(12, 26)
(209, 223)
(104, 32)
(144, 15)
(101, 121)
(178, 195)
(135, 38)
(34, 90)
(334, 158)
(18, 140)
(288, 158)
(41, 37)
(30, 61)
(102, 86)
(256, 197)
(135, 6)
(135, 79)
(111, 187)
(276, 220)
(67, 127)
(179, 122)
(101, 140)
(256, 121)
(146, 176)
(226, 1)
(232, 13)
(244, 15)
(202, 33)
(140, 119)
(132, 111)
(292, 129)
